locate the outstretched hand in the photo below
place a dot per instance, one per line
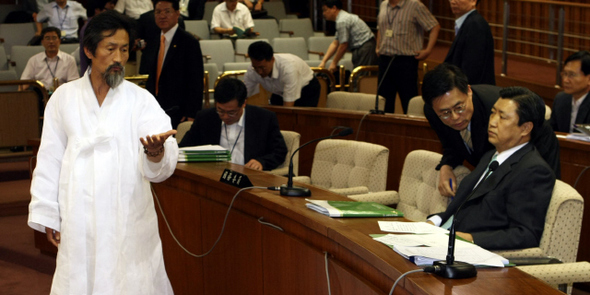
(154, 144)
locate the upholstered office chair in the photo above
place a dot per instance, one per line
(277, 10)
(182, 129)
(217, 51)
(301, 27)
(292, 141)
(418, 194)
(242, 48)
(16, 34)
(3, 58)
(199, 28)
(560, 240)
(294, 45)
(416, 106)
(353, 101)
(348, 167)
(364, 79)
(547, 112)
(21, 55)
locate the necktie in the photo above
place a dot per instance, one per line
(449, 222)
(466, 135)
(160, 60)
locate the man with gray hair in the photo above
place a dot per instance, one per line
(90, 191)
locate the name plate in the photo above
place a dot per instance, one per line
(235, 178)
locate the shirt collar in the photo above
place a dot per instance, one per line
(503, 156)
(240, 122)
(459, 22)
(579, 102)
(57, 6)
(400, 3)
(341, 13)
(275, 69)
(170, 34)
(58, 56)
(224, 7)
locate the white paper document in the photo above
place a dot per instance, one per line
(430, 240)
(410, 227)
(208, 147)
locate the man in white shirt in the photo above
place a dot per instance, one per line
(90, 191)
(229, 15)
(134, 8)
(64, 15)
(572, 106)
(505, 207)
(52, 67)
(286, 76)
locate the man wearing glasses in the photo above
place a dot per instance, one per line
(250, 133)
(459, 113)
(571, 106)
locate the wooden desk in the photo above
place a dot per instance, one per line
(253, 258)
(403, 134)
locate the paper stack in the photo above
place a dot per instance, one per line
(203, 153)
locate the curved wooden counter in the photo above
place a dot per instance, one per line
(254, 258)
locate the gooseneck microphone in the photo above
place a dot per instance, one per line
(297, 191)
(376, 110)
(450, 268)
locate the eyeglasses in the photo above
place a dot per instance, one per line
(569, 75)
(165, 12)
(50, 38)
(448, 113)
(230, 114)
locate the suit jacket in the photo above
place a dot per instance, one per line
(181, 81)
(473, 50)
(507, 210)
(562, 109)
(262, 137)
(484, 97)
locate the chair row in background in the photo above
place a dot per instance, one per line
(274, 8)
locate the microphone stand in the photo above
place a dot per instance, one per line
(450, 268)
(289, 189)
(376, 110)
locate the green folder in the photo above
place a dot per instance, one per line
(352, 209)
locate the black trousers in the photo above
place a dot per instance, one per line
(402, 78)
(310, 95)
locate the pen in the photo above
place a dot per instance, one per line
(451, 183)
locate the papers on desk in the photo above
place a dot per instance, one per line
(578, 136)
(352, 209)
(203, 153)
(427, 248)
(410, 227)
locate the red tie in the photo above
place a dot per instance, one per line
(160, 60)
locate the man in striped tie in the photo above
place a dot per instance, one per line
(503, 202)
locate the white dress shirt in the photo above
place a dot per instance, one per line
(289, 74)
(134, 8)
(575, 108)
(39, 67)
(232, 138)
(169, 35)
(65, 19)
(225, 19)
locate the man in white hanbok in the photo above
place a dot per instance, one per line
(91, 188)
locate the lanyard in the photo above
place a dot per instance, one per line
(235, 142)
(61, 21)
(55, 69)
(391, 19)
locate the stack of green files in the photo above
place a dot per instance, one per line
(204, 153)
(352, 209)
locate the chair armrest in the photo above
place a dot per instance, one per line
(283, 171)
(521, 253)
(321, 54)
(207, 57)
(565, 273)
(242, 54)
(534, 261)
(357, 190)
(302, 179)
(290, 33)
(385, 197)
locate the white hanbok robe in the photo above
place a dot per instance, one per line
(92, 183)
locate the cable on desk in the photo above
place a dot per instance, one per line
(361, 124)
(327, 272)
(580, 176)
(222, 227)
(405, 274)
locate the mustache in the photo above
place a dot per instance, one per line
(114, 79)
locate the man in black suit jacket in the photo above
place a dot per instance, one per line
(179, 89)
(452, 105)
(251, 133)
(573, 102)
(507, 209)
(473, 48)
(148, 31)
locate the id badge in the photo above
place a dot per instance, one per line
(63, 33)
(389, 33)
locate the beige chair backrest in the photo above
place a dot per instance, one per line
(547, 112)
(292, 141)
(418, 187)
(416, 106)
(339, 163)
(353, 101)
(182, 129)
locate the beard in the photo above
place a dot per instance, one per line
(115, 78)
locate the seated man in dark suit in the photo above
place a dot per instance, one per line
(572, 105)
(459, 113)
(251, 133)
(507, 209)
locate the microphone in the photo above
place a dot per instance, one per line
(376, 110)
(450, 268)
(297, 191)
